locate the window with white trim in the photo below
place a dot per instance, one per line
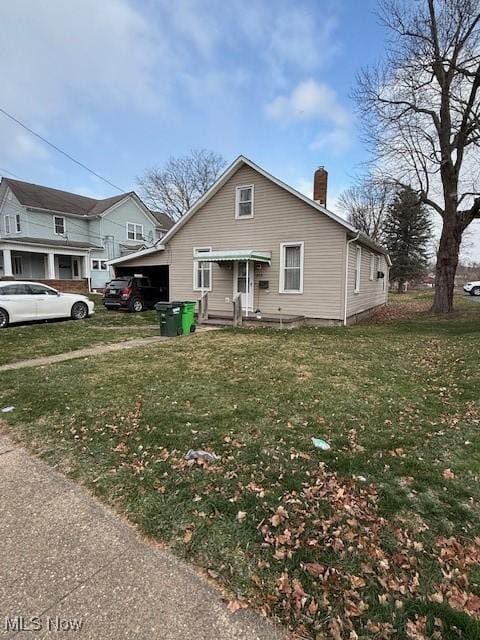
(244, 201)
(7, 224)
(291, 267)
(134, 231)
(358, 269)
(202, 271)
(377, 265)
(59, 225)
(99, 265)
(18, 223)
(372, 265)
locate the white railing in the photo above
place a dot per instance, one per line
(203, 308)
(237, 310)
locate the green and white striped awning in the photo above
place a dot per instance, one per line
(234, 256)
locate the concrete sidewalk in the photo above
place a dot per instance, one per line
(67, 561)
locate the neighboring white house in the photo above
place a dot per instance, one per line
(61, 237)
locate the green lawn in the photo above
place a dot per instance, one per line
(376, 538)
(30, 340)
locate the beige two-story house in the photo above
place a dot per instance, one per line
(254, 239)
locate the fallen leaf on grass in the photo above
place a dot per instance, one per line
(448, 474)
(241, 516)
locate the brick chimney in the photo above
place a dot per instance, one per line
(320, 186)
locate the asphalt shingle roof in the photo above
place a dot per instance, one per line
(39, 197)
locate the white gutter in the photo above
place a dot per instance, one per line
(346, 279)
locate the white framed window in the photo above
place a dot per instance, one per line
(18, 223)
(99, 265)
(244, 196)
(59, 225)
(7, 225)
(17, 266)
(358, 269)
(372, 265)
(377, 265)
(202, 271)
(291, 267)
(134, 231)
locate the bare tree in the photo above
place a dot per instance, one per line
(365, 205)
(421, 115)
(175, 187)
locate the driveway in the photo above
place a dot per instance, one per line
(71, 569)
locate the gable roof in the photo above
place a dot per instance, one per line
(163, 219)
(39, 197)
(218, 184)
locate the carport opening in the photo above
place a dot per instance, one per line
(158, 277)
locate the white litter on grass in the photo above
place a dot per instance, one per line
(321, 444)
(7, 409)
(200, 454)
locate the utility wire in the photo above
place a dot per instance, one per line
(2, 170)
(64, 153)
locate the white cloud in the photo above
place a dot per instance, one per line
(309, 99)
(61, 58)
(315, 101)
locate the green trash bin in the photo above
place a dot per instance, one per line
(188, 317)
(170, 318)
(187, 321)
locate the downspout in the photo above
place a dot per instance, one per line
(89, 277)
(346, 279)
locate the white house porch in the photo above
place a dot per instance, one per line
(47, 264)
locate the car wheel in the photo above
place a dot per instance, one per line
(475, 291)
(4, 319)
(136, 305)
(79, 311)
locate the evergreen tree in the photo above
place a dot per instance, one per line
(407, 235)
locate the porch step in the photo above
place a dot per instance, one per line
(218, 322)
(223, 320)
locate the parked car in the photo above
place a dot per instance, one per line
(473, 288)
(23, 301)
(134, 293)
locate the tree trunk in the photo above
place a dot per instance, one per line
(401, 286)
(447, 261)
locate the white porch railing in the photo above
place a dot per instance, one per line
(203, 308)
(237, 310)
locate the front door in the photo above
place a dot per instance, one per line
(243, 283)
(76, 268)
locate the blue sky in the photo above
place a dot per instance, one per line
(124, 84)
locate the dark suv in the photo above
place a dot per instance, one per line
(134, 293)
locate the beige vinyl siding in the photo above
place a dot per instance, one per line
(278, 217)
(372, 292)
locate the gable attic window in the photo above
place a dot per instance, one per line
(134, 231)
(244, 201)
(18, 223)
(59, 225)
(291, 267)
(7, 225)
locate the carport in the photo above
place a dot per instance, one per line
(158, 274)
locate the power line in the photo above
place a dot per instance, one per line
(64, 153)
(2, 170)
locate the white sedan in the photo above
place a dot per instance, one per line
(473, 288)
(23, 301)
